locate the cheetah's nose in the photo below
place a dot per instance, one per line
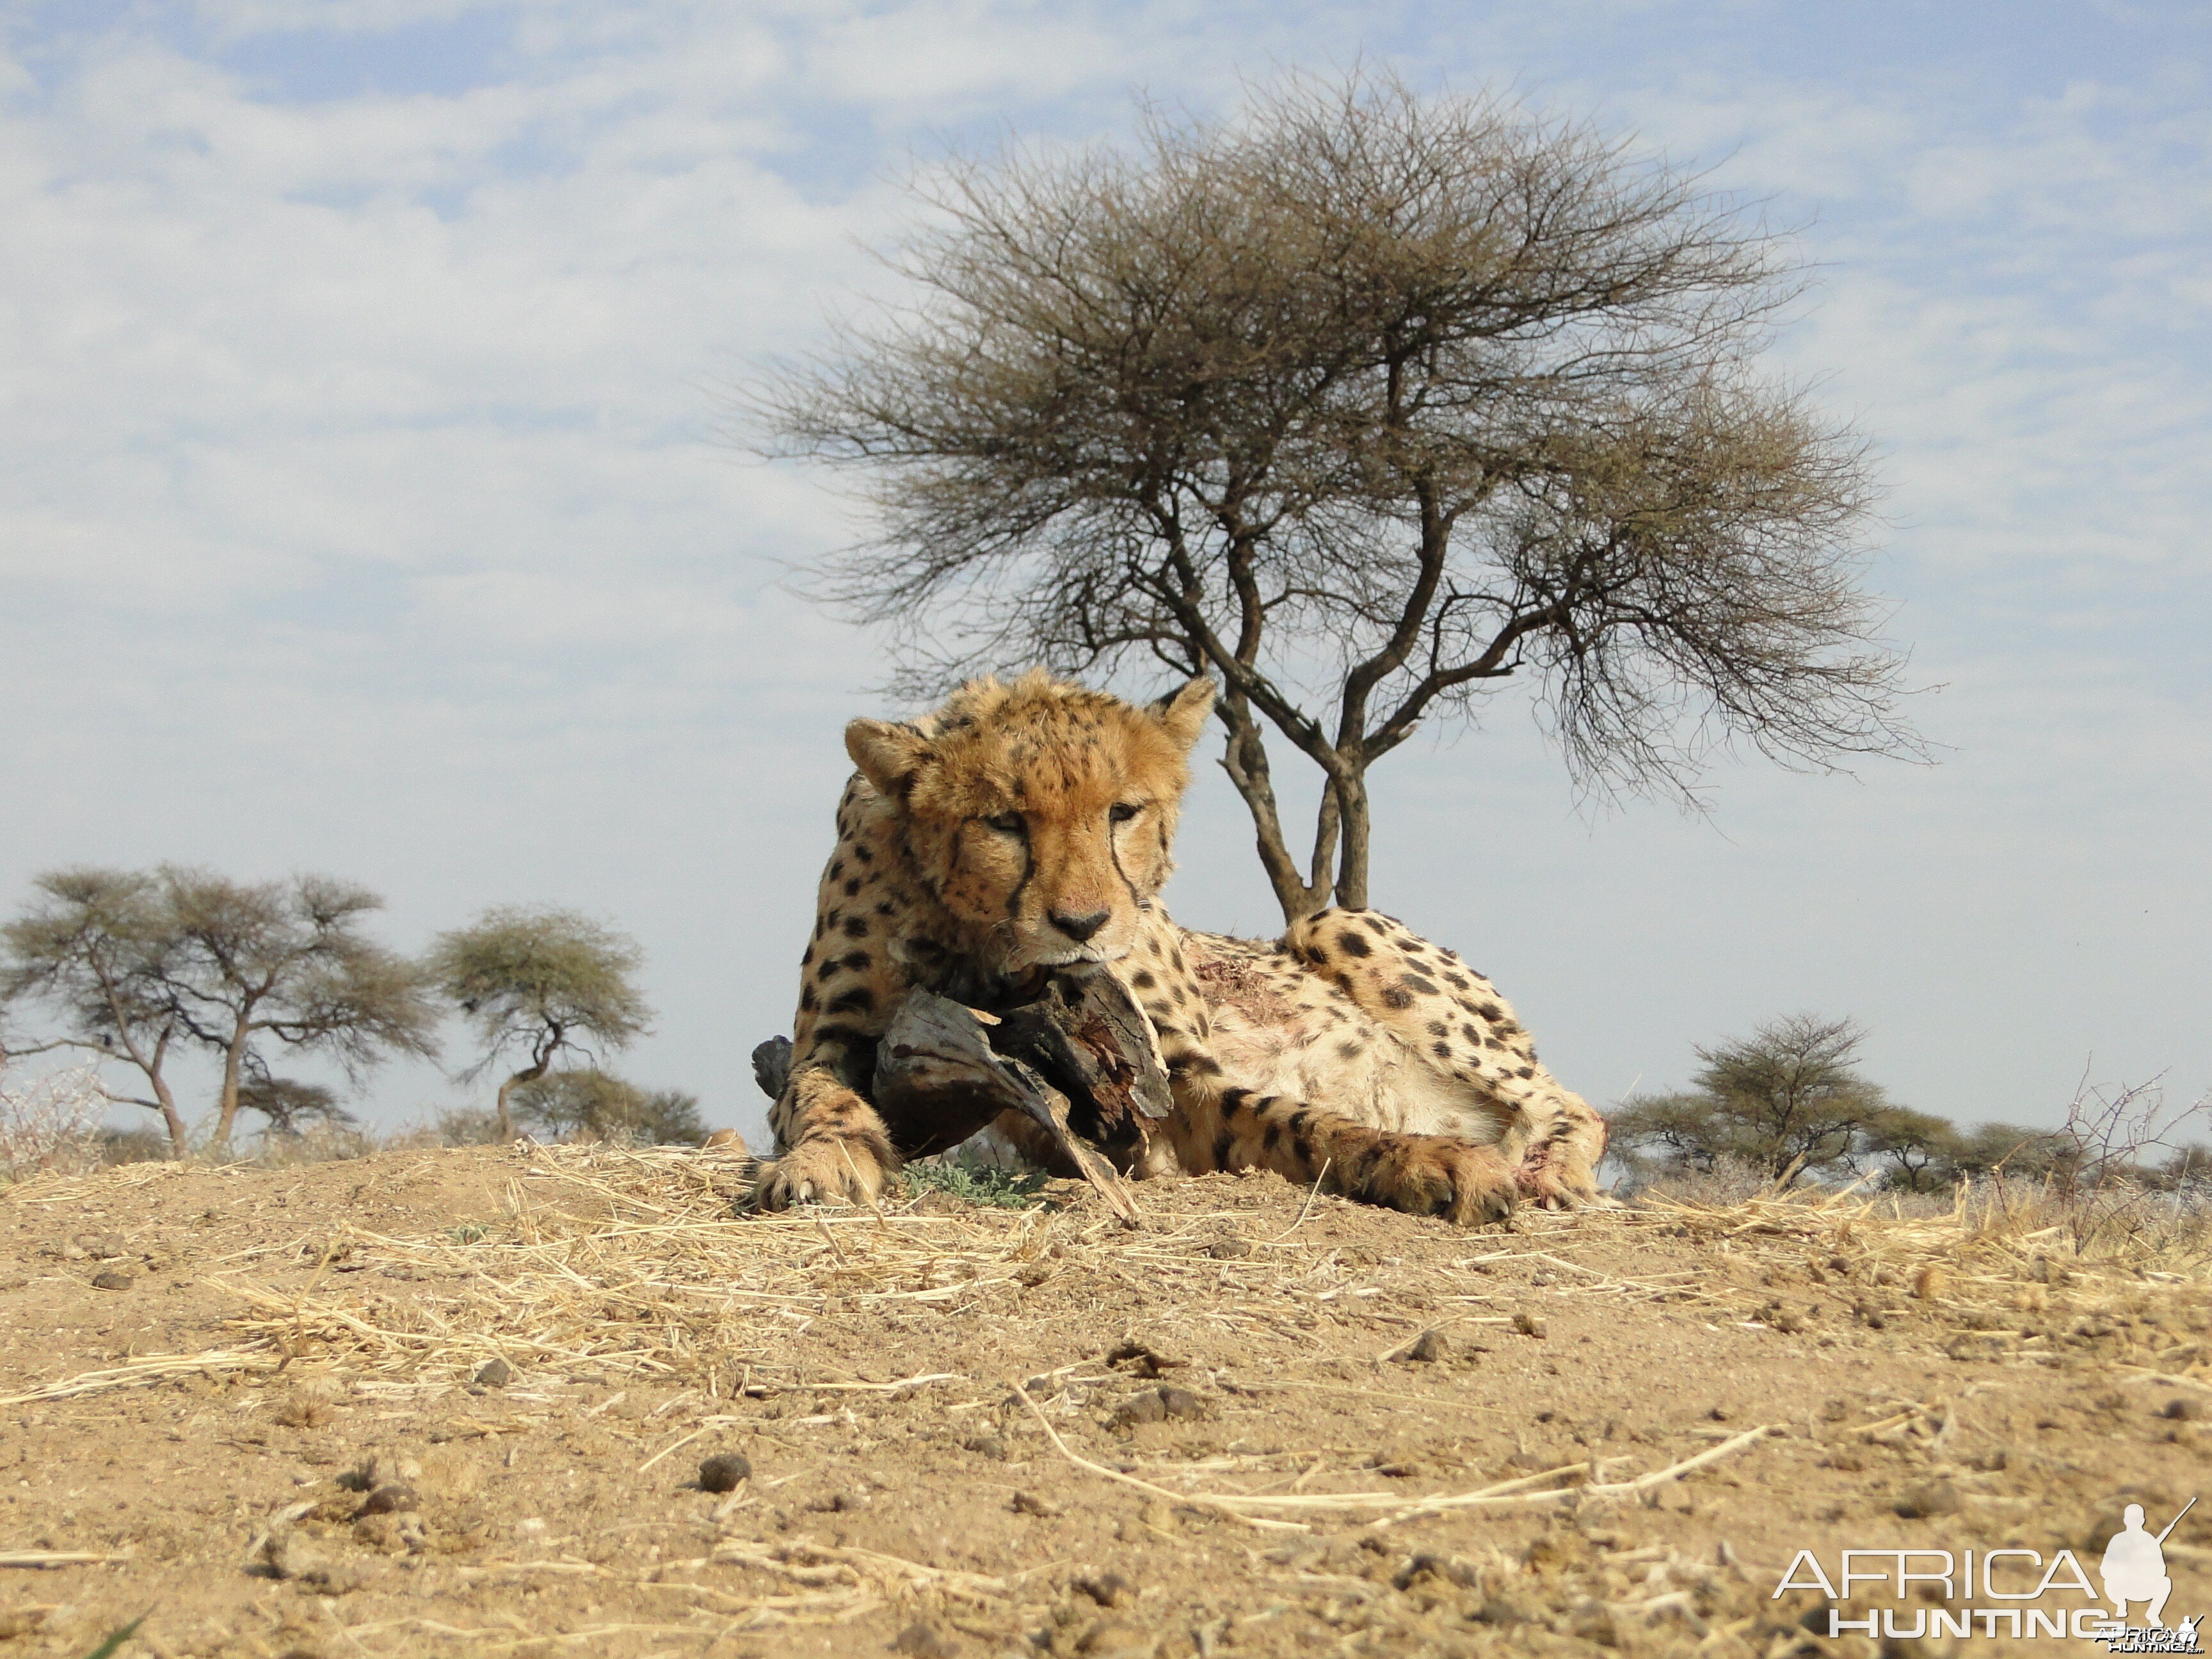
(1078, 928)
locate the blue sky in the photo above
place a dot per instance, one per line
(362, 506)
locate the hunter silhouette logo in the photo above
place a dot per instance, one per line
(2134, 1565)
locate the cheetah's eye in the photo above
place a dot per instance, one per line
(1007, 823)
(1122, 811)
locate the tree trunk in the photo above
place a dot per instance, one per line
(1244, 758)
(164, 1100)
(169, 1114)
(527, 1074)
(234, 1064)
(1352, 811)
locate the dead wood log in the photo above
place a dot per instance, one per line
(772, 1066)
(1078, 1059)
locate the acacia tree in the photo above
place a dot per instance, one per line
(541, 985)
(290, 1106)
(2010, 1149)
(287, 962)
(1788, 1101)
(94, 945)
(599, 1105)
(1921, 1148)
(1367, 404)
(141, 962)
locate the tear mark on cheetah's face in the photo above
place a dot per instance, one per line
(1038, 815)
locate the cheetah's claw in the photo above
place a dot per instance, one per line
(819, 1172)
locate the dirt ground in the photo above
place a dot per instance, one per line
(459, 1401)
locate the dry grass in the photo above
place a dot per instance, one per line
(606, 1276)
(632, 1263)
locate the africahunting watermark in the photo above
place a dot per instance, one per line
(2007, 1594)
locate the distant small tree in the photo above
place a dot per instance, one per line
(600, 1105)
(2028, 1154)
(1787, 1101)
(542, 986)
(1679, 1131)
(291, 1107)
(96, 947)
(287, 962)
(1919, 1148)
(139, 962)
(2188, 1167)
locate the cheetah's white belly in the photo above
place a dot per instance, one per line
(1384, 1084)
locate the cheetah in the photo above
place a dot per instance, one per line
(1027, 826)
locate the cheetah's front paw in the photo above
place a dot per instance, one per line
(1469, 1185)
(1556, 1180)
(822, 1171)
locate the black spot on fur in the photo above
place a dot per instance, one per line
(852, 887)
(1353, 944)
(856, 928)
(858, 1000)
(858, 961)
(1143, 980)
(1349, 1050)
(1420, 982)
(1525, 1071)
(1396, 997)
(1488, 1011)
(865, 854)
(1377, 924)
(1222, 1144)
(1442, 1050)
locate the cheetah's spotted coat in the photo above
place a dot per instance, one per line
(1027, 826)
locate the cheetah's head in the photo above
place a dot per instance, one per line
(1039, 814)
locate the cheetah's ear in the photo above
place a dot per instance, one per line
(1184, 712)
(887, 754)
